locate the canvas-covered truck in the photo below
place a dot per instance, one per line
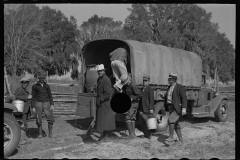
(156, 61)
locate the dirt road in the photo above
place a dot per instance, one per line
(203, 138)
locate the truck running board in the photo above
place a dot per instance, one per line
(202, 114)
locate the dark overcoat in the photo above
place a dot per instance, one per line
(179, 98)
(147, 100)
(22, 94)
(105, 119)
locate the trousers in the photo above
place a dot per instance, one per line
(132, 112)
(40, 107)
(143, 124)
(173, 116)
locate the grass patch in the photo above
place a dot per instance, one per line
(208, 151)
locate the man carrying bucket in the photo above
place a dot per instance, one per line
(175, 101)
(42, 100)
(135, 94)
(23, 94)
(146, 106)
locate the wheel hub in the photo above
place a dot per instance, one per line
(8, 136)
(223, 110)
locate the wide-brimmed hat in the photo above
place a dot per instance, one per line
(24, 79)
(146, 78)
(100, 67)
(172, 75)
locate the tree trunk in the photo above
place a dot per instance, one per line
(6, 81)
(80, 82)
(215, 80)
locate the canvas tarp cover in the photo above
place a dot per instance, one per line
(158, 62)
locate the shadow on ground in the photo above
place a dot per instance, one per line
(84, 123)
(162, 138)
(33, 133)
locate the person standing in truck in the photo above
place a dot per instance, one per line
(175, 102)
(23, 94)
(105, 120)
(42, 101)
(146, 106)
(118, 59)
(135, 94)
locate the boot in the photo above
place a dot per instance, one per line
(103, 137)
(23, 138)
(39, 131)
(179, 134)
(171, 130)
(130, 130)
(133, 129)
(50, 126)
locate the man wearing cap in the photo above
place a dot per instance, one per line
(105, 120)
(146, 106)
(118, 59)
(135, 94)
(175, 101)
(23, 94)
(42, 100)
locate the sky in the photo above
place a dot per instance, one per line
(223, 14)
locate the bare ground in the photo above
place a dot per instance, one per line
(203, 138)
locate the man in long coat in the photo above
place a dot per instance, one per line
(105, 120)
(23, 94)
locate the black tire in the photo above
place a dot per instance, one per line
(221, 114)
(12, 127)
(162, 117)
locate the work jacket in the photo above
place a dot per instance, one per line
(22, 94)
(147, 100)
(179, 98)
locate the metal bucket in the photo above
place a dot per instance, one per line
(19, 104)
(151, 123)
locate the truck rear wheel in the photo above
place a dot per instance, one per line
(12, 134)
(221, 114)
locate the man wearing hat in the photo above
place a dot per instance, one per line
(105, 120)
(135, 94)
(42, 100)
(118, 59)
(146, 106)
(175, 101)
(23, 94)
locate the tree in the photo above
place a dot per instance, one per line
(99, 28)
(184, 26)
(22, 38)
(60, 41)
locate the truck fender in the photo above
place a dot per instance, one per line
(10, 107)
(214, 103)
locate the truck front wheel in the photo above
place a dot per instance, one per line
(12, 134)
(221, 114)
